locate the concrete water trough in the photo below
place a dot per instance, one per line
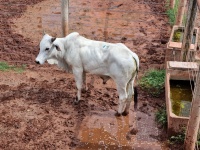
(173, 51)
(179, 83)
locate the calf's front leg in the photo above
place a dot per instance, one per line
(78, 74)
(85, 88)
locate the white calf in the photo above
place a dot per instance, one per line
(79, 55)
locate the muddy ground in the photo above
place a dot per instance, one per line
(36, 106)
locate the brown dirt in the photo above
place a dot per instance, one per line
(36, 106)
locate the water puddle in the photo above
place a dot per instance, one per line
(181, 96)
(106, 132)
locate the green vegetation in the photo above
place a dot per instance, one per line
(180, 137)
(161, 117)
(171, 12)
(5, 67)
(177, 36)
(153, 82)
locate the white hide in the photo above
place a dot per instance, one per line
(77, 54)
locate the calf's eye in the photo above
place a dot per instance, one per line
(46, 49)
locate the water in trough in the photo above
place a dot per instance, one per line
(181, 96)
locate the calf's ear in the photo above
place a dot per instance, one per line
(53, 39)
(57, 47)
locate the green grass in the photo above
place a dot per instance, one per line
(5, 67)
(172, 12)
(161, 117)
(153, 82)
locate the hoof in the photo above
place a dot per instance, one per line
(135, 107)
(83, 90)
(125, 113)
(76, 101)
(117, 114)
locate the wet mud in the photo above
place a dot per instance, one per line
(36, 106)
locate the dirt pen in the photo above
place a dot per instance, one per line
(36, 106)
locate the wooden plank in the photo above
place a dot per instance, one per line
(179, 45)
(182, 65)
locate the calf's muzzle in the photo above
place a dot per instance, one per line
(37, 62)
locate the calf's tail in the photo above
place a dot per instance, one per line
(135, 98)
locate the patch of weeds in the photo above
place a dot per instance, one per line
(172, 12)
(5, 67)
(153, 82)
(161, 117)
(177, 36)
(179, 138)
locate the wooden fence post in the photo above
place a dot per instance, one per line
(181, 9)
(198, 3)
(193, 124)
(188, 31)
(172, 3)
(65, 17)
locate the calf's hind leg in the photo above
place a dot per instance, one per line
(131, 92)
(122, 99)
(129, 99)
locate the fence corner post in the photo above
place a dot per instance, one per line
(65, 17)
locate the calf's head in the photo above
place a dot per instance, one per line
(46, 49)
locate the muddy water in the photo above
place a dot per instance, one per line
(181, 96)
(106, 132)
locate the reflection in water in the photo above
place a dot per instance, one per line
(181, 96)
(107, 133)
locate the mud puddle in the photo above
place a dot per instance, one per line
(102, 130)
